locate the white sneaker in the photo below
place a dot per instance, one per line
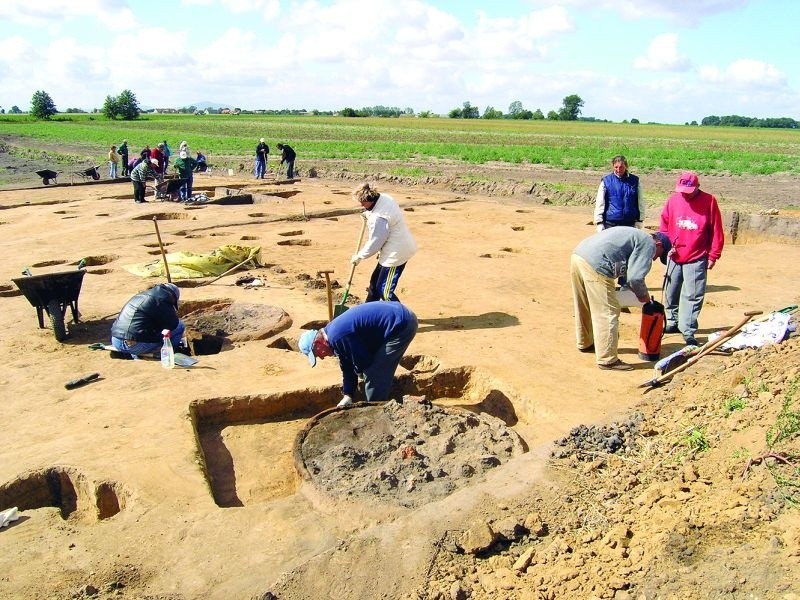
(345, 402)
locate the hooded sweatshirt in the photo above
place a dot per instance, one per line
(694, 226)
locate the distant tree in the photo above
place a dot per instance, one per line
(710, 121)
(42, 105)
(425, 114)
(634, 120)
(348, 112)
(110, 108)
(125, 106)
(469, 111)
(571, 108)
(514, 109)
(455, 113)
(552, 116)
(14, 110)
(2, 110)
(538, 115)
(693, 123)
(492, 113)
(408, 111)
(526, 115)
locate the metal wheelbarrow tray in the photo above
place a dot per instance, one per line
(48, 176)
(53, 293)
(90, 173)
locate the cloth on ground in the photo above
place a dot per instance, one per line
(771, 330)
(188, 265)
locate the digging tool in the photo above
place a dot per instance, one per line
(161, 247)
(327, 275)
(340, 308)
(231, 270)
(705, 349)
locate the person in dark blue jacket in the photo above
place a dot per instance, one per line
(620, 200)
(137, 329)
(368, 339)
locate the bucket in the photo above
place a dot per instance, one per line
(651, 331)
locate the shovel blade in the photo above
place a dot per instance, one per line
(338, 310)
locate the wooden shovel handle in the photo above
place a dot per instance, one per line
(353, 267)
(161, 247)
(706, 349)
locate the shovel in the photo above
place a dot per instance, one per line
(706, 349)
(340, 308)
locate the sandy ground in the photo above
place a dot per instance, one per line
(114, 470)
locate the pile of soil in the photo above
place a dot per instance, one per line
(407, 454)
(694, 495)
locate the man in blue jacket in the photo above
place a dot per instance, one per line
(138, 327)
(368, 339)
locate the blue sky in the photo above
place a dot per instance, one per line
(669, 61)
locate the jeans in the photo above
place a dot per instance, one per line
(185, 191)
(112, 170)
(138, 191)
(379, 375)
(261, 167)
(175, 336)
(684, 294)
(289, 169)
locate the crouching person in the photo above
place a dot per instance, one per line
(369, 340)
(137, 329)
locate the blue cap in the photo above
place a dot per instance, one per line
(662, 237)
(306, 345)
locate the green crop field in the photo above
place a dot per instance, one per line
(567, 145)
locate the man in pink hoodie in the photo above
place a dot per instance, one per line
(692, 222)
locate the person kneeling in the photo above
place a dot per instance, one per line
(137, 329)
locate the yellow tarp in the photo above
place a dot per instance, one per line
(188, 265)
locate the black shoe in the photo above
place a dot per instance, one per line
(690, 341)
(121, 355)
(588, 349)
(671, 329)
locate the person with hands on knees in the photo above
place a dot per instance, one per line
(369, 340)
(595, 265)
(389, 238)
(619, 200)
(691, 219)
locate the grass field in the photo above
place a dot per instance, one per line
(566, 145)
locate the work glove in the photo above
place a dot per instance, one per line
(600, 227)
(355, 259)
(345, 402)
(639, 225)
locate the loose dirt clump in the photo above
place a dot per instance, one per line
(408, 453)
(693, 496)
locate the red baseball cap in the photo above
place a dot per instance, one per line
(687, 183)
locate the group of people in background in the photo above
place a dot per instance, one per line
(689, 242)
(288, 156)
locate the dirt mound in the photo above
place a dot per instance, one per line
(693, 496)
(408, 453)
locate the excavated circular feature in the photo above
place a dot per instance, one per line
(404, 453)
(238, 322)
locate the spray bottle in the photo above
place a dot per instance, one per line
(167, 352)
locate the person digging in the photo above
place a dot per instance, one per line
(369, 340)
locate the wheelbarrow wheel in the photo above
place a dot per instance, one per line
(57, 320)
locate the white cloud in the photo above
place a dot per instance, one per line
(662, 55)
(680, 12)
(744, 73)
(56, 15)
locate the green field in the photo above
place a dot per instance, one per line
(566, 145)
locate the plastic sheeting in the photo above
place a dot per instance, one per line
(188, 265)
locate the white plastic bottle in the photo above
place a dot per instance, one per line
(167, 352)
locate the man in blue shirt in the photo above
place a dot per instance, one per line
(368, 339)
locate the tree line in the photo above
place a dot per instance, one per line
(739, 121)
(570, 111)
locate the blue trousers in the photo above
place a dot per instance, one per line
(378, 377)
(684, 294)
(176, 335)
(383, 282)
(261, 167)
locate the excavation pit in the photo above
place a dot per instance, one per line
(405, 453)
(66, 489)
(211, 326)
(258, 448)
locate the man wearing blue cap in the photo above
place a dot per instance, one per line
(596, 264)
(368, 339)
(137, 329)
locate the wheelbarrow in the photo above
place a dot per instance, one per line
(52, 293)
(169, 189)
(47, 176)
(90, 173)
